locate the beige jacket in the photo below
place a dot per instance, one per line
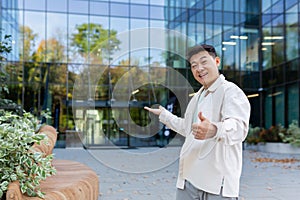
(216, 162)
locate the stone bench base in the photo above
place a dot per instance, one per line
(72, 180)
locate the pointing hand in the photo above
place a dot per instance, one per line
(155, 111)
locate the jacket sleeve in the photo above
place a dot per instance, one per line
(173, 122)
(233, 127)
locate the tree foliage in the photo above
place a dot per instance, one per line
(28, 37)
(50, 50)
(5, 48)
(94, 38)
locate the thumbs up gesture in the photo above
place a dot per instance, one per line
(203, 130)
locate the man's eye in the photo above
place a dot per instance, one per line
(204, 62)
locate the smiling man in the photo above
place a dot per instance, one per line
(214, 126)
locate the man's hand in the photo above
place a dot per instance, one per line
(204, 129)
(155, 111)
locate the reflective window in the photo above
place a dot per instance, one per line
(278, 21)
(293, 103)
(228, 18)
(200, 16)
(292, 35)
(289, 3)
(157, 2)
(228, 5)
(138, 23)
(121, 10)
(57, 5)
(157, 12)
(278, 7)
(278, 74)
(279, 105)
(157, 23)
(99, 8)
(266, 18)
(268, 113)
(217, 29)
(139, 1)
(35, 4)
(122, 1)
(139, 11)
(76, 6)
(209, 17)
(209, 31)
(98, 51)
(103, 21)
(277, 46)
(216, 5)
(293, 9)
(266, 4)
(266, 48)
(121, 26)
(75, 22)
(35, 26)
(139, 43)
(218, 17)
(191, 31)
(228, 57)
(56, 37)
(292, 70)
(20, 4)
(252, 19)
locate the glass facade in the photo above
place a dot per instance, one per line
(96, 63)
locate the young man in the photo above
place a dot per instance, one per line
(214, 125)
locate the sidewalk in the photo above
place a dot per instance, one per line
(156, 174)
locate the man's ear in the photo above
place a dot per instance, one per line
(218, 61)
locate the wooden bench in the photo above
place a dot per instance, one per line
(72, 181)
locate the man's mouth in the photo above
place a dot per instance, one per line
(202, 75)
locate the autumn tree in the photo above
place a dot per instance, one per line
(50, 50)
(27, 38)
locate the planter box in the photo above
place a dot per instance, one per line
(274, 147)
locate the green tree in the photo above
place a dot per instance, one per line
(93, 38)
(5, 48)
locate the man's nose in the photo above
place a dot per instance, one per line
(199, 68)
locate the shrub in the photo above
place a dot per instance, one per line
(292, 135)
(18, 160)
(272, 134)
(253, 136)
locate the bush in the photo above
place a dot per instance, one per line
(18, 160)
(272, 134)
(292, 135)
(258, 134)
(253, 136)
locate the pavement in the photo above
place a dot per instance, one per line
(151, 173)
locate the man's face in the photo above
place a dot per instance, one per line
(205, 68)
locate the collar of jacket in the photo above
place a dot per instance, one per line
(214, 86)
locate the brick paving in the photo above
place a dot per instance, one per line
(145, 174)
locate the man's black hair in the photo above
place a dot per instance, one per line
(201, 47)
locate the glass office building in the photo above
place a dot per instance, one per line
(96, 63)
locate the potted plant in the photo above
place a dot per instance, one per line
(19, 161)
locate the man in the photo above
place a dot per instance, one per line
(214, 125)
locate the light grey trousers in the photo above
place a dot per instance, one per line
(191, 193)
